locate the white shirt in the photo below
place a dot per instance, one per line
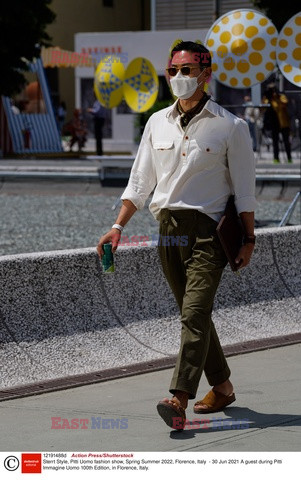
(197, 168)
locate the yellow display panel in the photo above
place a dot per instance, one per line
(108, 81)
(141, 85)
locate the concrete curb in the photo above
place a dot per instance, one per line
(62, 316)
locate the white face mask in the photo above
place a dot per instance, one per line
(183, 86)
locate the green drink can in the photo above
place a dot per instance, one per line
(108, 259)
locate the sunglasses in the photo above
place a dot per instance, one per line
(172, 71)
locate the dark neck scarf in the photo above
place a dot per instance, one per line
(187, 116)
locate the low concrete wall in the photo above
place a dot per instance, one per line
(61, 316)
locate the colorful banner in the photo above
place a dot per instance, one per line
(56, 57)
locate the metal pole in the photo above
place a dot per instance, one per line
(217, 9)
(289, 211)
(153, 15)
(281, 82)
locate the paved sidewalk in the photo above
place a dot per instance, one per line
(268, 393)
(89, 163)
(96, 169)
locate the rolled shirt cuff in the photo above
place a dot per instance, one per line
(245, 204)
(138, 189)
(130, 194)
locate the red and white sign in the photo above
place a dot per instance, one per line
(31, 463)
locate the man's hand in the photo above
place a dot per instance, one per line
(244, 255)
(113, 237)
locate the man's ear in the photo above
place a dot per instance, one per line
(208, 72)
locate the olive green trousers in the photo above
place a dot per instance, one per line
(193, 261)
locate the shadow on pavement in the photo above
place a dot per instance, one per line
(238, 419)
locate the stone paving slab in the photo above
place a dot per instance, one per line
(268, 403)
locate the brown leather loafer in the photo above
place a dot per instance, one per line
(213, 402)
(172, 413)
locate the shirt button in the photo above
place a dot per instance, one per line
(184, 154)
(207, 149)
(186, 138)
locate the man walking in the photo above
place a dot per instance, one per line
(277, 118)
(194, 155)
(98, 112)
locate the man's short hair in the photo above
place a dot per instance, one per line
(200, 52)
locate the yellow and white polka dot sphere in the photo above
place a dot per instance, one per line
(243, 48)
(108, 81)
(288, 50)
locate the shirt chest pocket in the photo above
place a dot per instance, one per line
(164, 152)
(204, 154)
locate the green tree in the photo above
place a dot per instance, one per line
(22, 32)
(278, 12)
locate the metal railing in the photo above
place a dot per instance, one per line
(286, 217)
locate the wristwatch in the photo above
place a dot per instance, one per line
(249, 239)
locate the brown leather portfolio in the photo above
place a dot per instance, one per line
(230, 233)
